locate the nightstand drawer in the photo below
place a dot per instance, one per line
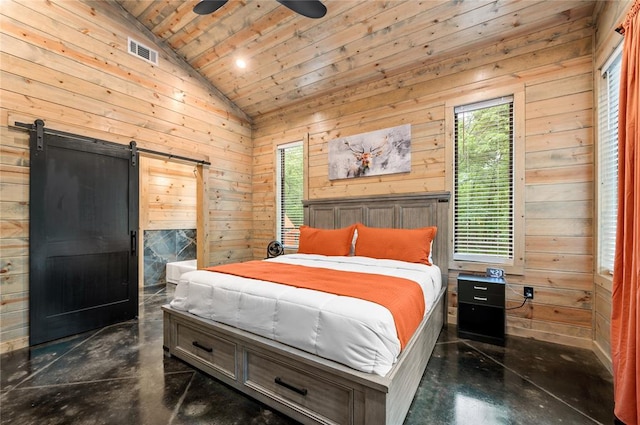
(479, 293)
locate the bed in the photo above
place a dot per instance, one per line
(309, 383)
(175, 269)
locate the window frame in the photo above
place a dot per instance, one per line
(516, 265)
(602, 273)
(278, 185)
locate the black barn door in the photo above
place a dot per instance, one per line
(83, 223)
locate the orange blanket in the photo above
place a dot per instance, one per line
(402, 297)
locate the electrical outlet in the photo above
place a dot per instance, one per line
(528, 292)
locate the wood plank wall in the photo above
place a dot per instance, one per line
(67, 63)
(608, 16)
(554, 69)
(168, 195)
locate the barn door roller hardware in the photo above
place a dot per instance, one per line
(39, 134)
(38, 127)
(134, 153)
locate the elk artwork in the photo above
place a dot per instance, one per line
(384, 151)
(363, 159)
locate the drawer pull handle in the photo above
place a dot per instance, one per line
(301, 391)
(480, 298)
(207, 349)
(482, 288)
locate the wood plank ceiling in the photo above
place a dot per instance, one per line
(291, 58)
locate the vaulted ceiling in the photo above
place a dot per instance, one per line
(291, 58)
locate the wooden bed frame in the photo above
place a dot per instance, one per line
(308, 388)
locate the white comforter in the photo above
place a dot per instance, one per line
(354, 332)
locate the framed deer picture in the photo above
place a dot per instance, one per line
(386, 151)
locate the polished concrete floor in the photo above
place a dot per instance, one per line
(120, 375)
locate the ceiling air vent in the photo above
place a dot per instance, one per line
(142, 51)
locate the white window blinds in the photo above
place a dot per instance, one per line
(484, 183)
(289, 194)
(608, 162)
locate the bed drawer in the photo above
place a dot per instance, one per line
(329, 402)
(214, 352)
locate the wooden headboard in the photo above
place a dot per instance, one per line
(405, 211)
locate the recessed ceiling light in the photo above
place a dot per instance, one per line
(240, 63)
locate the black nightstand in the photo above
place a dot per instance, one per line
(481, 311)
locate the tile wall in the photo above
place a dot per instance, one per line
(163, 246)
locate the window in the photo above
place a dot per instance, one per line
(608, 92)
(483, 172)
(289, 193)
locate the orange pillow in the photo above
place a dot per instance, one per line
(410, 245)
(325, 241)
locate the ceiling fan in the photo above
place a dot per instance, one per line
(309, 8)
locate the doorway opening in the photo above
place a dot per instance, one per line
(171, 217)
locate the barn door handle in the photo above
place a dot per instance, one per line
(301, 391)
(134, 242)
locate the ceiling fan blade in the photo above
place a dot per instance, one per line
(309, 8)
(208, 6)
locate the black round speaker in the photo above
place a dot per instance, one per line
(274, 249)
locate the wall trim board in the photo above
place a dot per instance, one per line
(603, 356)
(14, 344)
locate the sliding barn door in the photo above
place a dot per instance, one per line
(83, 223)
